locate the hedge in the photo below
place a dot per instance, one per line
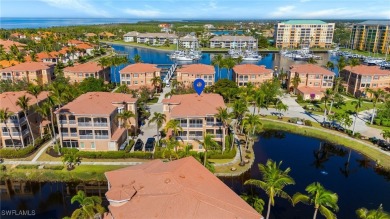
(113, 154)
(22, 166)
(129, 146)
(18, 153)
(53, 167)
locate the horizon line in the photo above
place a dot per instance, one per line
(200, 19)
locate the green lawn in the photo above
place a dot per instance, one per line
(348, 107)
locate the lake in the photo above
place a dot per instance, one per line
(270, 60)
(359, 185)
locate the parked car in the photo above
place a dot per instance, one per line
(138, 145)
(149, 146)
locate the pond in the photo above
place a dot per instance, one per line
(358, 184)
(270, 60)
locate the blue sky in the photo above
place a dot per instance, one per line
(198, 9)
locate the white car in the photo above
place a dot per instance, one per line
(167, 85)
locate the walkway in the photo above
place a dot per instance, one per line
(43, 150)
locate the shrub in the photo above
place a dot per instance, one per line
(3, 168)
(377, 121)
(113, 154)
(308, 123)
(22, 166)
(53, 167)
(129, 146)
(218, 155)
(12, 153)
(357, 135)
(300, 98)
(385, 122)
(68, 150)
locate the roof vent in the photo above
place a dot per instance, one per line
(167, 180)
(182, 176)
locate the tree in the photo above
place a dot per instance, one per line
(92, 85)
(280, 106)
(156, 82)
(273, 183)
(259, 97)
(328, 95)
(125, 116)
(174, 125)
(104, 62)
(254, 201)
(322, 199)
(170, 148)
(70, 158)
(364, 213)
(207, 144)
(4, 116)
(217, 61)
(44, 111)
(22, 102)
(311, 61)
(330, 65)
(159, 119)
(295, 81)
(223, 116)
(376, 96)
(251, 124)
(89, 206)
(35, 90)
(239, 110)
(386, 134)
(228, 63)
(358, 104)
(137, 58)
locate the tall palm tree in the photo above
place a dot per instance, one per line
(259, 97)
(170, 148)
(44, 110)
(125, 116)
(89, 206)
(239, 110)
(137, 58)
(223, 116)
(229, 63)
(322, 199)
(22, 102)
(364, 213)
(327, 97)
(251, 123)
(174, 125)
(217, 61)
(159, 119)
(358, 104)
(207, 143)
(296, 81)
(330, 65)
(156, 82)
(352, 62)
(376, 96)
(4, 116)
(104, 62)
(35, 90)
(273, 183)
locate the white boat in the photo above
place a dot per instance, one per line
(373, 61)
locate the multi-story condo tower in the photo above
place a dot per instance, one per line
(250, 73)
(311, 33)
(139, 74)
(372, 36)
(188, 73)
(33, 72)
(78, 73)
(90, 122)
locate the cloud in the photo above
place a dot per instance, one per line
(150, 13)
(282, 11)
(78, 5)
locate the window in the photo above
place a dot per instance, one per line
(101, 134)
(317, 76)
(80, 74)
(135, 82)
(92, 145)
(253, 76)
(316, 84)
(120, 109)
(324, 84)
(210, 121)
(82, 145)
(135, 75)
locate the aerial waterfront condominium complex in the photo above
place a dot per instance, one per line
(372, 36)
(79, 72)
(139, 74)
(151, 38)
(15, 130)
(188, 73)
(90, 122)
(250, 73)
(196, 114)
(311, 33)
(314, 80)
(361, 77)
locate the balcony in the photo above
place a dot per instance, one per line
(72, 121)
(5, 133)
(73, 134)
(100, 124)
(85, 123)
(214, 124)
(63, 121)
(183, 125)
(15, 133)
(198, 137)
(101, 137)
(65, 134)
(86, 136)
(195, 125)
(218, 136)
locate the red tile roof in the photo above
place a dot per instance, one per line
(75, 42)
(194, 105)
(310, 69)
(311, 90)
(88, 67)
(177, 189)
(197, 69)
(27, 66)
(8, 43)
(140, 68)
(96, 103)
(9, 99)
(84, 46)
(251, 69)
(367, 70)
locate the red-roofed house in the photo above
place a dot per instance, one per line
(177, 189)
(255, 74)
(361, 77)
(85, 47)
(188, 73)
(79, 72)
(8, 43)
(18, 35)
(196, 116)
(89, 122)
(33, 72)
(314, 80)
(139, 74)
(16, 127)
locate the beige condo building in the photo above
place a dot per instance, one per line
(90, 122)
(138, 75)
(372, 36)
(188, 73)
(78, 73)
(311, 33)
(33, 72)
(250, 73)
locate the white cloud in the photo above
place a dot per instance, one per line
(283, 11)
(78, 5)
(143, 13)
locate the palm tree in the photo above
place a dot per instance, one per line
(89, 206)
(330, 65)
(207, 144)
(322, 199)
(137, 58)
(44, 111)
(229, 63)
(358, 104)
(386, 134)
(328, 95)
(238, 60)
(376, 96)
(295, 81)
(352, 62)
(159, 119)
(4, 116)
(364, 213)
(35, 90)
(239, 110)
(104, 62)
(281, 106)
(273, 183)
(22, 102)
(174, 125)
(156, 82)
(171, 145)
(223, 116)
(259, 97)
(251, 123)
(125, 116)
(217, 61)
(311, 61)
